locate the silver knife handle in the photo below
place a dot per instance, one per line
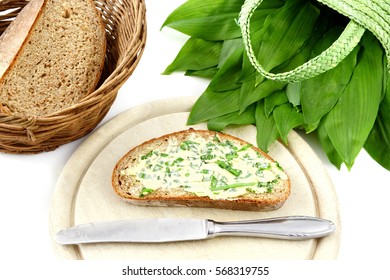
(292, 227)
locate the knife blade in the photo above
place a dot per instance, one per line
(158, 230)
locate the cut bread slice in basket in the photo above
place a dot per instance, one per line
(67, 99)
(51, 56)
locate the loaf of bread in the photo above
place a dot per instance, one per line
(51, 56)
(201, 168)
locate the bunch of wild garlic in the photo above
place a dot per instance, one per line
(348, 106)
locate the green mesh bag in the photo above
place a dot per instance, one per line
(372, 15)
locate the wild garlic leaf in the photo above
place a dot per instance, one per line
(328, 147)
(204, 73)
(248, 71)
(346, 117)
(250, 93)
(286, 118)
(267, 132)
(228, 74)
(228, 48)
(378, 142)
(215, 19)
(293, 92)
(350, 121)
(206, 19)
(273, 100)
(213, 104)
(196, 54)
(286, 31)
(235, 118)
(320, 94)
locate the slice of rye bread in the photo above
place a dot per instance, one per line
(51, 56)
(129, 188)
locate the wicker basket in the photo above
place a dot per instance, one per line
(126, 36)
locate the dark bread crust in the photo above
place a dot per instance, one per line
(163, 197)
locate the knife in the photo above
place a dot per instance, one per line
(181, 229)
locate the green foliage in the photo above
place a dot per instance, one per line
(347, 107)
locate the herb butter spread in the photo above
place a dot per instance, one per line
(214, 168)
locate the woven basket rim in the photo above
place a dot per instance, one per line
(113, 77)
(101, 99)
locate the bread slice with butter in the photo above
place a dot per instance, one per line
(201, 168)
(51, 57)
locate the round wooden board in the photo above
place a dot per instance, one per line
(84, 194)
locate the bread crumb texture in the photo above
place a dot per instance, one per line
(60, 62)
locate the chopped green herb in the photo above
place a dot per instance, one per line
(157, 167)
(228, 167)
(228, 143)
(144, 176)
(186, 145)
(244, 148)
(178, 160)
(263, 165)
(207, 157)
(210, 145)
(148, 155)
(216, 139)
(278, 166)
(269, 185)
(214, 182)
(231, 155)
(145, 191)
(231, 186)
(247, 156)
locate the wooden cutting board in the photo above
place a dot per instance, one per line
(83, 194)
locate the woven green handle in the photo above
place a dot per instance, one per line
(339, 49)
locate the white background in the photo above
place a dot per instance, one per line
(28, 181)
